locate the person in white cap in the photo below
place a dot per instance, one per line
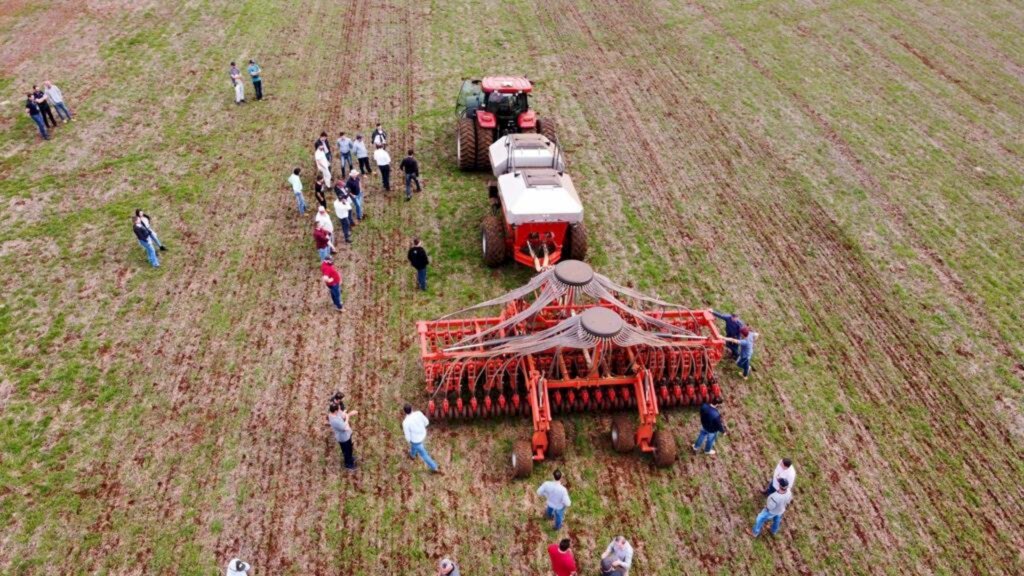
(447, 568)
(354, 185)
(238, 568)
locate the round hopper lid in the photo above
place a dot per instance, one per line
(574, 272)
(601, 322)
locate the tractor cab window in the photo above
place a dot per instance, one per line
(471, 97)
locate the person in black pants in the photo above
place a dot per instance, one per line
(338, 419)
(44, 106)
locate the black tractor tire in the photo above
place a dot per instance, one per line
(522, 459)
(556, 440)
(492, 241)
(577, 240)
(665, 449)
(465, 144)
(546, 126)
(623, 433)
(484, 139)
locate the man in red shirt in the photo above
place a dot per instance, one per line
(333, 280)
(322, 240)
(562, 561)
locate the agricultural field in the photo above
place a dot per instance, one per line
(847, 175)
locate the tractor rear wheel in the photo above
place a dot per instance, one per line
(465, 143)
(665, 451)
(577, 241)
(484, 139)
(556, 440)
(546, 126)
(522, 459)
(623, 433)
(492, 241)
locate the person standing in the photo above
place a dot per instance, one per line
(418, 258)
(446, 567)
(44, 106)
(383, 160)
(362, 154)
(296, 183)
(338, 419)
(144, 219)
(142, 234)
(733, 324)
(411, 168)
(318, 191)
(563, 563)
(415, 428)
(345, 153)
(332, 278)
(238, 568)
(342, 209)
(55, 96)
(379, 137)
(557, 499)
(711, 426)
(774, 507)
(323, 164)
(784, 470)
(322, 142)
(323, 220)
(255, 73)
(620, 551)
(354, 185)
(236, 82)
(746, 349)
(32, 107)
(322, 241)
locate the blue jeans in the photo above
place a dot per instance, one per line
(336, 295)
(301, 202)
(62, 110)
(708, 438)
(744, 364)
(357, 201)
(156, 241)
(38, 119)
(150, 252)
(409, 178)
(763, 517)
(346, 163)
(324, 253)
(346, 228)
(558, 516)
(421, 279)
(417, 449)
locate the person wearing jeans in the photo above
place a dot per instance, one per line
(338, 419)
(144, 220)
(354, 184)
(711, 426)
(774, 508)
(257, 83)
(32, 107)
(411, 168)
(296, 183)
(142, 234)
(418, 258)
(322, 241)
(415, 428)
(745, 345)
(332, 278)
(345, 153)
(44, 106)
(57, 97)
(557, 499)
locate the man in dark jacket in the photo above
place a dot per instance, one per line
(44, 106)
(419, 260)
(142, 234)
(711, 426)
(32, 107)
(733, 325)
(411, 168)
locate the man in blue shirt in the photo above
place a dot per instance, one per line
(345, 152)
(711, 426)
(733, 324)
(746, 349)
(257, 82)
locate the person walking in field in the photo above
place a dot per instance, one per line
(446, 567)
(44, 106)
(620, 552)
(345, 153)
(342, 209)
(411, 168)
(557, 499)
(142, 235)
(415, 428)
(383, 160)
(54, 95)
(418, 258)
(332, 279)
(745, 348)
(255, 74)
(296, 183)
(379, 137)
(354, 185)
(784, 470)
(322, 241)
(339, 421)
(323, 164)
(733, 324)
(711, 425)
(238, 568)
(318, 190)
(362, 155)
(144, 219)
(563, 563)
(32, 108)
(774, 507)
(236, 82)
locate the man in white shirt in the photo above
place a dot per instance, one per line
(784, 469)
(57, 98)
(774, 508)
(322, 163)
(415, 428)
(236, 83)
(557, 499)
(296, 183)
(323, 220)
(342, 208)
(620, 551)
(383, 160)
(238, 568)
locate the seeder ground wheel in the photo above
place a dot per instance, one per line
(556, 440)
(665, 450)
(522, 459)
(623, 433)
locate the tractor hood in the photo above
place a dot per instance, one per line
(539, 195)
(517, 151)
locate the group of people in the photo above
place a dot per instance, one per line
(255, 76)
(142, 226)
(40, 104)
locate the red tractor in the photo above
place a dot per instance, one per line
(571, 340)
(489, 109)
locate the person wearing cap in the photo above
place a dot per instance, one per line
(733, 324)
(142, 235)
(238, 568)
(784, 470)
(418, 258)
(354, 185)
(379, 137)
(362, 154)
(446, 567)
(774, 508)
(414, 425)
(383, 160)
(322, 241)
(745, 345)
(620, 551)
(255, 73)
(556, 498)
(332, 278)
(296, 184)
(236, 82)
(563, 563)
(343, 209)
(711, 425)
(411, 168)
(338, 419)
(345, 153)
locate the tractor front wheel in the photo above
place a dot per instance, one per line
(492, 241)
(484, 139)
(546, 126)
(665, 451)
(465, 143)
(577, 241)
(623, 433)
(556, 440)
(522, 459)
